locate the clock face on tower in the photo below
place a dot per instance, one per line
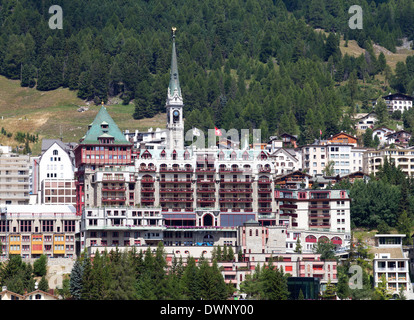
(176, 116)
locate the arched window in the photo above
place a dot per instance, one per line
(55, 152)
(310, 238)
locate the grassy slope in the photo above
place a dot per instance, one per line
(54, 112)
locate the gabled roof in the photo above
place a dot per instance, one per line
(342, 133)
(397, 95)
(284, 151)
(111, 129)
(293, 173)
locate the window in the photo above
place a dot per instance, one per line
(47, 225)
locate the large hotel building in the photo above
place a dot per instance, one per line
(193, 198)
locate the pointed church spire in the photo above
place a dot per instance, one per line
(174, 90)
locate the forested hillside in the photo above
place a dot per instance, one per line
(242, 64)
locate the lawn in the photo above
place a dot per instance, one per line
(54, 114)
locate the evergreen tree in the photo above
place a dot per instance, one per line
(190, 280)
(43, 284)
(40, 266)
(75, 284)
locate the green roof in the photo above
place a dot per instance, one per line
(111, 130)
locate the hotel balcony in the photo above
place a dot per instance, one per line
(264, 199)
(176, 200)
(175, 180)
(206, 190)
(264, 190)
(319, 215)
(147, 199)
(206, 170)
(210, 180)
(231, 200)
(177, 170)
(110, 179)
(319, 206)
(320, 225)
(236, 181)
(264, 181)
(228, 190)
(147, 189)
(288, 206)
(264, 209)
(147, 180)
(114, 189)
(147, 169)
(206, 200)
(176, 190)
(113, 199)
(231, 170)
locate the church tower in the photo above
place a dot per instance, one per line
(174, 105)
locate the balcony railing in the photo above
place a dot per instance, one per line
(206, 190)
(176, 200)
(247, 190)
(229, 200)
(113, 199)
(176, 190)
(206, 200)
(177, 170)
(236, 181)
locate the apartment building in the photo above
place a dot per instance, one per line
(32, 230)
(365, 121)
(286, 160)
(398, 102)
(392, 262)
(403, 158)
(14, 178)
(314, 158)
(54, 174)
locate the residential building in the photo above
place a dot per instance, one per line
(32, 230)
(392, 262)
(314, 158)
(403, 158)
(398, 102)
(365, 121)
(343, 138)
(286, 160)
(401, 138)
(55, 174)
(382, 133)
(14, 178)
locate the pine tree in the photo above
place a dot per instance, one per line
(43, 284)
(75, 284)
(190, 280)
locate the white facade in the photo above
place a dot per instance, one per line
(365, 121)
(314, 158)
(393, 263)
(382, 133)
(286, 160)
(404, 158)
(55, 164)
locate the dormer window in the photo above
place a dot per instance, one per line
(104, 125)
